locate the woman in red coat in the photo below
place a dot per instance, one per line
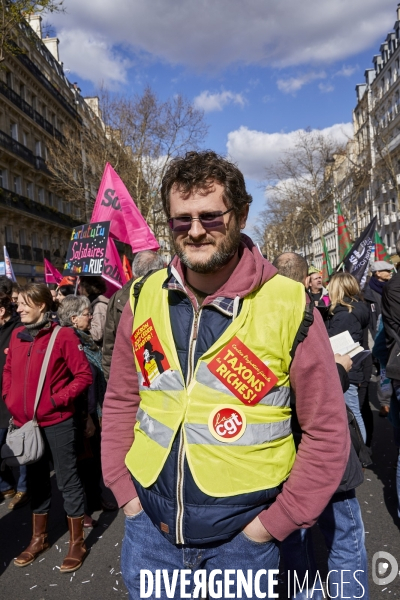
(68, 375)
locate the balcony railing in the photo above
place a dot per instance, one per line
(31, 112)
(12, 249)
(37, 254)
(35, 209)
(16, 148)
(36, 72)
(26, 252)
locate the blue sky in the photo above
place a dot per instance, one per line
(260, 69)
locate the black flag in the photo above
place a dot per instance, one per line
(357, 260)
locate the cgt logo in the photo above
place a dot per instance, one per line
(384, 568)
(227, 423)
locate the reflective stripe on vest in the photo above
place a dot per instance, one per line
(255, 434)
(223, 463)
(156, 431)
(167, 381)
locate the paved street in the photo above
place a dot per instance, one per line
(100, 578)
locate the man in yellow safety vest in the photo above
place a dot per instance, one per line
(201, 456)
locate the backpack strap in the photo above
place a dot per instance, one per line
(305, 325)
(137, 287)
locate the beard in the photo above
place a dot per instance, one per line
(223, 253)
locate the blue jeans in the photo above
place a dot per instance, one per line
(352, 401)
(22, 485)
(342, 527)
(144, 547)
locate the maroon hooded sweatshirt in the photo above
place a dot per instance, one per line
(325, 445)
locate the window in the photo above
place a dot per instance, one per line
(3, 179)
(38, 148)
(9, 79)
(22, 237)
(17, 184)
(388, 240)
(9, 234)
(51, 199)
(41, 196)
(25, 138)
(34, 240)
(60, 205)
(44, 111)
(34, 102)
(394, 238)
(67, 208)
(22, 91)
(30, 190)
(393, 205)
(46, 243)
(14, 131)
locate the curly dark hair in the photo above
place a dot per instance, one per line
(6, 303)
(198, 171)
(93, 286)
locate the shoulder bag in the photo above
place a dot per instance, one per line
(25, 445)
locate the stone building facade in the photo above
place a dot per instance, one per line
(376, 150)
(37, 103)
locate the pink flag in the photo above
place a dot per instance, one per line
(114, 204)
(113, 271)
(51, 274)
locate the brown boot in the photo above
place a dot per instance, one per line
(77, 549)
(38, 542)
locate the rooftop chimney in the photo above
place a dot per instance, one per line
(52, 46)
(35, 21)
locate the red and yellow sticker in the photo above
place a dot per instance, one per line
(149, 352)
(227, 423)
(242, 372)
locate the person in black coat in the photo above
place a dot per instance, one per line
(8, 322)
(349, 313)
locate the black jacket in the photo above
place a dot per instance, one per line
(5, 335)
(356, 323)
(114, 311)
(374, 302)
(391, 307)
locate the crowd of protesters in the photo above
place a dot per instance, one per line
(70, 408)
(69, 412)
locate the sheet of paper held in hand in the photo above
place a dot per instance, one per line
(343, 343)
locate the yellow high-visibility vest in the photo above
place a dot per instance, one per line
(236, 431)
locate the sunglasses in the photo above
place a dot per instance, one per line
(210, 220)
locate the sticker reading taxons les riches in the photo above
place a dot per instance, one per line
(242, 372)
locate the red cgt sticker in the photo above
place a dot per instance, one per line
(227, 423)
(242, 372)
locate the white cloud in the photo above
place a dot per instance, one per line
(91, 57)
(325, 88)
(346, 71)
(294, 84)
(211, 102)
(255, 150)
(210, 35)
